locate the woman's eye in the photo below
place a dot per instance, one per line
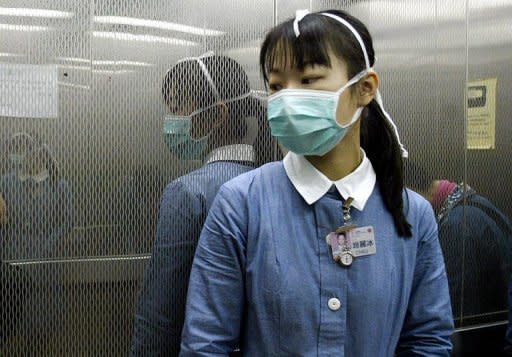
(274, 87)
(309, 80)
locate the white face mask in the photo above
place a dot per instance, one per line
(41, 176)
(23, 176)
(17, 159)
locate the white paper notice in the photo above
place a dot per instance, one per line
(28, 91)
(481, 128)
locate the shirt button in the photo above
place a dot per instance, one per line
(334, 304)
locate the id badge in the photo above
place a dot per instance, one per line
(349, 244)
(362, 241)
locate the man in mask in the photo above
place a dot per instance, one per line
(213, 118)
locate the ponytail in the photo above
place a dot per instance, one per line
(381, 145)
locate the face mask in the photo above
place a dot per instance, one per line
(180, 143)
(304, 120)
(17, 159)
(18, 164)
(41, 176)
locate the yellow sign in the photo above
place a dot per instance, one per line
(481, 126)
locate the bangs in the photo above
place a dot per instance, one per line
(319, 36)
(282, 49)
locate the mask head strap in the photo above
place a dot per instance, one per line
(205, 72)
(212, 85)
(300, 14)
(208, 76)
(354, 32)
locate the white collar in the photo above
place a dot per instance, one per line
(313, 185)
(237, 152)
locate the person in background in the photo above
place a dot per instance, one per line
(39, 202)
(264, 278)
(476, 240)
(39, 215)
(14, 150)
(212, 118)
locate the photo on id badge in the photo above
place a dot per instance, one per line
(339, 242)
(347, 245)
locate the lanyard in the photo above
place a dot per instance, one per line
(347, 218)
(344, 256)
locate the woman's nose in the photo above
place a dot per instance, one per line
(292, 84)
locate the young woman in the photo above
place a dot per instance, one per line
(265, 277)
(213, 118)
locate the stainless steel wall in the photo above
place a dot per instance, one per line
(108, 144)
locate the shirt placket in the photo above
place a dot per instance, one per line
(333, 282)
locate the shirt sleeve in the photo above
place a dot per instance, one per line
(161, 305)
(215, 301)
(428, 324)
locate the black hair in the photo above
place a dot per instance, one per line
(320, 34)
(188, 79)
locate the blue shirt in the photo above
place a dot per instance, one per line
(183, 209)
(263, 275)
(39, 215)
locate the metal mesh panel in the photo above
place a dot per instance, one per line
(87, 90)
(487, 255)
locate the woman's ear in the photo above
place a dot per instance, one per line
(367, 89)
(222, 118)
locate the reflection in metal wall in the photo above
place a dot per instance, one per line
(93, 111)
(487, 262)
(95, 105)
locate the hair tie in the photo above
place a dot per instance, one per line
(299, 15)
